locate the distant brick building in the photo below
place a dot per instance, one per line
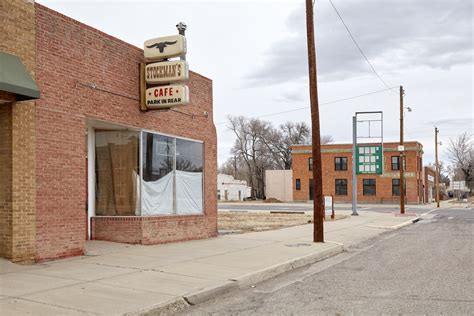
(82, 161)
(429, 185)
(371, 188)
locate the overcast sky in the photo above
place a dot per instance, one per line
(255, 53)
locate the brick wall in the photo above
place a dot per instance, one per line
(413, 173)
(71, 55)
(153, 230)
(17, 140)
(5, 180)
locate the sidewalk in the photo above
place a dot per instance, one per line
(116, 279)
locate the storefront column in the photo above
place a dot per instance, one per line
(23, 182)
(6, 180)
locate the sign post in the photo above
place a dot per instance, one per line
(354, 168)
(329, 206)
(367, 158)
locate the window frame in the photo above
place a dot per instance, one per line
(404, 187)
(395, 186)
(342, 165)
(336, 186)
(396, 163)
(174, 211)
(310, 164)
(366, 186)
(298, 184)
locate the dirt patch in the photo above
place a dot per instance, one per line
(272, 200)
(240, 222)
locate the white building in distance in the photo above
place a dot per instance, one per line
(230, 189)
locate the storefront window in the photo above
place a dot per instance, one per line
(172, 179)
(189, 167)
(116, 173)
(172, 175)
(158, 176)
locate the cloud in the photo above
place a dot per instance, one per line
(292, 96)
(458, 121)
(393, 34)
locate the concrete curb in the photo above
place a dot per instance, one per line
(166, 308)
(205, 294)
(409, 222)
(398, 226)
(201, 295)
(270, 272)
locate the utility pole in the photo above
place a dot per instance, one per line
(437, 167)
(318, 208)
(402, 156)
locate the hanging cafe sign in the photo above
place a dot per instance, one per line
(166, 96)
(161, 80)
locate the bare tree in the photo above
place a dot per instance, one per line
(326, 139)
(259, 146)
(443, 172)
(461, 154)
(280, 140)
(250, 147)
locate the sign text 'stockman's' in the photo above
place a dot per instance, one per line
(167, 72)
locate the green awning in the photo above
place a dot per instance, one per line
(14, 78)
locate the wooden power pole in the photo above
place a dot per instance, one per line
(437, 167)
(318, 208)
(402, 157)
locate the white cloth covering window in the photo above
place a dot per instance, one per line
(188, 192)
(157, 196)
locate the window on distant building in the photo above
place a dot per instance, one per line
(396, 187)
(341, 186)
(340, 163)
(298, 184)
(369, 187)
(310, 164)
(395, 162)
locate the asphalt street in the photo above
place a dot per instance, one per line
(309, 207)
(425, 268)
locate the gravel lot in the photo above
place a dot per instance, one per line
(242, 222)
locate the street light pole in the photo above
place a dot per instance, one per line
(318, 208)
(437, 167)
(402, 156)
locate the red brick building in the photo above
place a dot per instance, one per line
(371, 188)
(429, 185)
(82, 161)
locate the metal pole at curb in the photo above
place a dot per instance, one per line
(354, 163)
(437, 167)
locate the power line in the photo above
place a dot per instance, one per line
(325, 103)
(357, 45)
